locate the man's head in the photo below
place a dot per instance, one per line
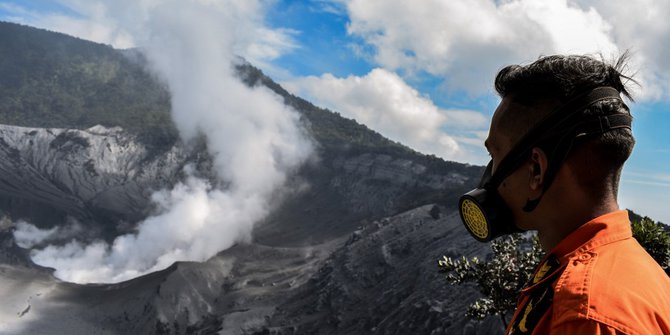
(590, 170)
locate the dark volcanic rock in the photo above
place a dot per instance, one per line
(384, 280)
(96, 175)
(343, 192)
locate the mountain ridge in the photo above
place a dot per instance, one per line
(362, 190)
(337, 138)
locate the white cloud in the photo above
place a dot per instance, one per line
(385, 103)
(118, 23)
(335, 7)
(646, 192)
(467, 41)
(642, 26)
(649, 177)
(646, 198)
(93, 27)
(91, 30)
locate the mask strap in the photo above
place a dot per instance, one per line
(594, 126)
(550, 126)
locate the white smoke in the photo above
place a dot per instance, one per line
(255, 140)
(197, 222)
(27, 235)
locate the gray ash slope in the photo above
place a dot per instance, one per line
(335, 257)
(95, 175)
(383, 280)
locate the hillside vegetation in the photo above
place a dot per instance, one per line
(54, 80)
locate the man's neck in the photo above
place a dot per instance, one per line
(570, 218)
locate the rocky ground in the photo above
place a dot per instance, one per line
(381, 279)
(384, 280)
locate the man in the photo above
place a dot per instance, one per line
(558, 142)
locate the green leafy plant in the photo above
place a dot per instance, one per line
(499, 278)
(654, 239)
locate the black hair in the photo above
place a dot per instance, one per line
(552, 81)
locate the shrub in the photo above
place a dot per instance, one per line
(654, 239)
(499, 278)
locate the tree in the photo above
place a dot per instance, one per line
(654, 239)
(499, 278)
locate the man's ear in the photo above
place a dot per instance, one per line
(537, 170)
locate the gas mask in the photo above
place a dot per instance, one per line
(482, 210)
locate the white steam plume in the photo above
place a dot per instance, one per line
(254, 138)
(27, 235)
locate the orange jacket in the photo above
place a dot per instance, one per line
(598, 280)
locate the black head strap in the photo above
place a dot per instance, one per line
(603, 123)
(596, 125)
(561, 126)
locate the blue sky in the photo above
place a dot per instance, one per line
(421, 72)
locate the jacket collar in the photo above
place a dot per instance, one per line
(605, 229)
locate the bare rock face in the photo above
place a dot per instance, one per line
(347, 190)
(368, 180)
(398, 171)
(80, 173)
